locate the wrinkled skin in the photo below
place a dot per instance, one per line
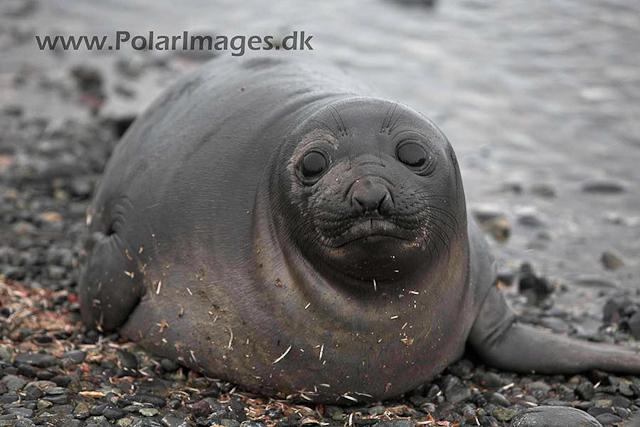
(268, 222)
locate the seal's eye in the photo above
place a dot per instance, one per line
(314, 164)
(412, 154)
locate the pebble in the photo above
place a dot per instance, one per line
(171, 420)
(493, 221)
(21, 412)
(585, 390)
(88, 78)
(128, 362)
(603, 186)
(599, 410)
(6, 354)
(489, 380)
(608, 419)
(504, 414)
(554, 416)
(112, 413)
(454, 390)
(14, 383)
(529, 216)
(611, 261)
(44, 404)
(336, 413)
(498, 399)
(536, 287)
(150, 398)
(169, 366)
(543, 190)
(394, 423)
(148, 412)
(40, 360)
(634, 325)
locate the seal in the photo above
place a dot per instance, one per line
(270, 222)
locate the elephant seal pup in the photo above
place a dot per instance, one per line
(268, 222)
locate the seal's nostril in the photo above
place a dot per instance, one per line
(371, 198)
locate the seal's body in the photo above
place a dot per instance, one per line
(268, 222)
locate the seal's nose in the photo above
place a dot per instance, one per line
(369, 196)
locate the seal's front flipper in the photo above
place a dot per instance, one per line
(506, 344)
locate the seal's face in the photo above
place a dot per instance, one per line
(371, 185)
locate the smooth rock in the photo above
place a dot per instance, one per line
(554, 416)
(611, 261)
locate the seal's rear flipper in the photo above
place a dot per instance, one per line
(505, 344)
(110, 283)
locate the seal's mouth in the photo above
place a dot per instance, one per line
(370, 230)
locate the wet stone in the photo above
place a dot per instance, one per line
(433, 391)
(175, 420)
(623, 413)
(394, 423)
(6, 353)
(34, 393)
(608, 419)
(454, 390)
(54, 391)
(504, 414)
(611, 261)
(539, 389)
(212, 391)
(150, 398)
(21, 412)
(61, 380)
(364, 422)
(201, 408)
(128, 361)
(493, 222)
(626, 389)
(170, 366)
(88, 79)
(14, 383)
(621, 402)
(498, 399)
(148, 412)
(544, 190)
(9, 397)
(489, 380)
(45, 375)
(634, 325)
(553, 416)
(585, 391)
(585, 405)
(145, 422)
(60, 399)
(603, 186)
(43, 404)
(174, 403)
(599, 410)
(531, 284)
(37, 359)
(530, 218)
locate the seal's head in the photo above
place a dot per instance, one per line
(371, 191)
